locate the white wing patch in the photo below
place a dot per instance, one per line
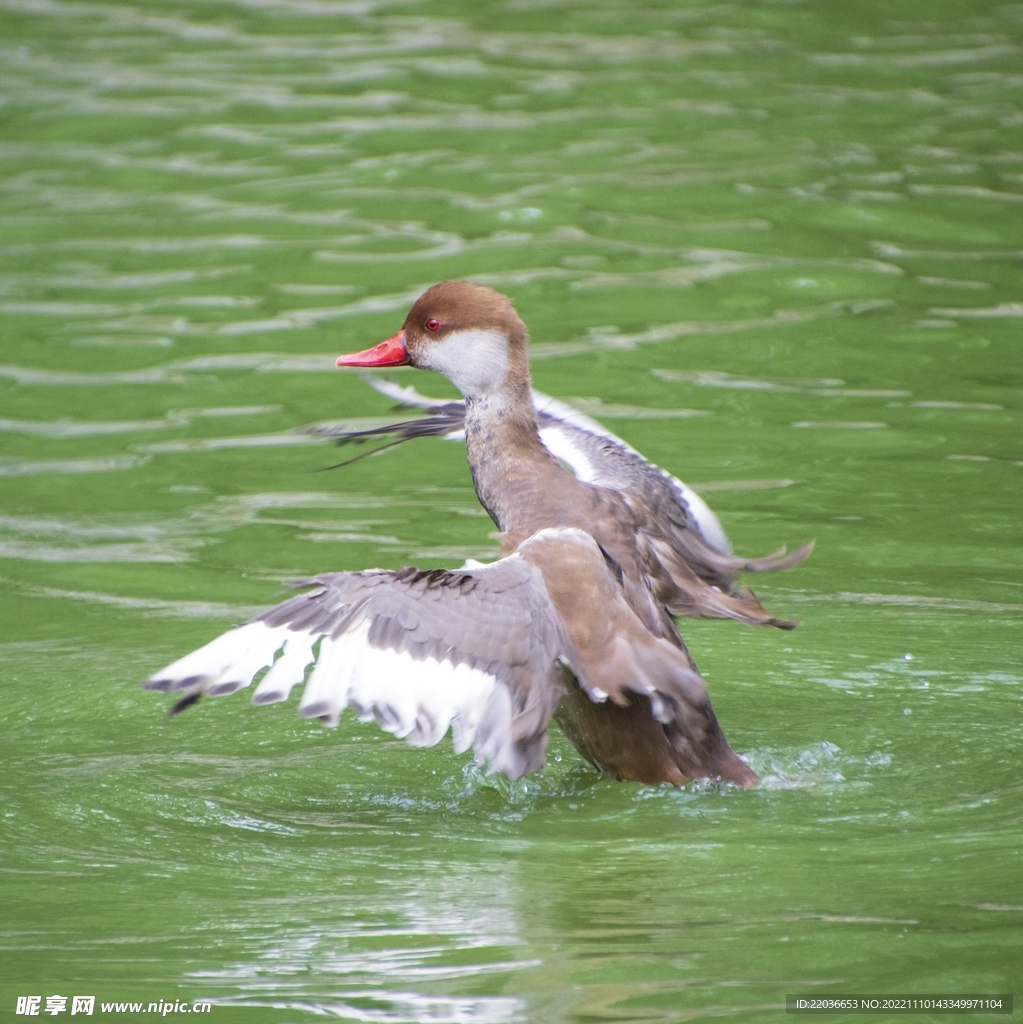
(710, 527)
(287, 670)
(227, 663)
(415, 699)
(574, 418)
(563, 445)
(559, 443)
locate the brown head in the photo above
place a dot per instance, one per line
(466, 332)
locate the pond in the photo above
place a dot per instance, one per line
(775, 246)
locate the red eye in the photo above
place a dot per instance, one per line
(432, 325)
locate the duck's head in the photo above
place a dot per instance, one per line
(466, 332)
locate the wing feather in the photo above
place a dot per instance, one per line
(597, 456)
(478, 652)
(288, 670)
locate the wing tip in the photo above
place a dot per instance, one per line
(786, 624)
(168, 684)
(185, 702)
(269, 697)
(225, 688)
(324, 710)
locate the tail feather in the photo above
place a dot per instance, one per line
(779, 560)
(722, 569)
(685, 593)
(708, 603)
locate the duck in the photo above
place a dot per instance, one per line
(575, 622)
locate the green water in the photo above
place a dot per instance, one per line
(775, 246)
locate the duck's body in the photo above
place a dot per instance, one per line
(479, 343)
(592, 452)
(575, 621)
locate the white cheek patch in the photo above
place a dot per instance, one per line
(474, 361)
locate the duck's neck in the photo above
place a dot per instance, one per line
(511, 468)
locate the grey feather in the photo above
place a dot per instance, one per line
(496, 619)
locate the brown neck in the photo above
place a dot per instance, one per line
(511, 469)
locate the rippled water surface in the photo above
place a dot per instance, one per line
(776, 246)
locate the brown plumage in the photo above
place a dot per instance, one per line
(573, 622)
(657, 724)
(524, 488)
(620, 622)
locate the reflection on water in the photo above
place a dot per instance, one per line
(452, 923)
(776, 247)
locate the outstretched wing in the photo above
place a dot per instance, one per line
(590, 450)
(695, 539)
(480, 650)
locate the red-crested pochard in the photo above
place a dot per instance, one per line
(574, 621)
